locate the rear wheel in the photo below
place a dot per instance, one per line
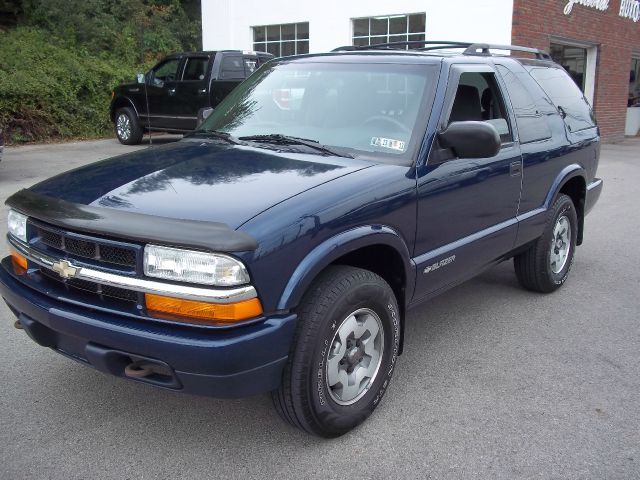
(128, 129)
(343, 354)
(545, 266)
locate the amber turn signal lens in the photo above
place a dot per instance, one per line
(203, 312)
(19, 261)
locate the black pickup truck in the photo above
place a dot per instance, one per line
(176, 89)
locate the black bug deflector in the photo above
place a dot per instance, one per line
(130, 225)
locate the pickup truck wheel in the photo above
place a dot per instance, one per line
(128, 128)
(545, 266)
(343, 354)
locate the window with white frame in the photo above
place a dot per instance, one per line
(282, 40)
(391, 28)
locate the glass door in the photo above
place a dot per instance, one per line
(574, 61)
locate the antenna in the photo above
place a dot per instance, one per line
(146, 99)
(146, 95)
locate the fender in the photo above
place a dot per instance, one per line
(333, 248)
(121, 98)
(566, 174)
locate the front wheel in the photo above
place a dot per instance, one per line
(344, 352)
(128, 129)
(545, 266)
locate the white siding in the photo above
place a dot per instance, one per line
(227, 23)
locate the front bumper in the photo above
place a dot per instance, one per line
(235, 362)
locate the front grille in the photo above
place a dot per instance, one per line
(100, 250)
(50, 238)
(121, 256)
(80, 248)
(90, 251)
(92, 287)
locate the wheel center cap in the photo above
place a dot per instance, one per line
(354, 355)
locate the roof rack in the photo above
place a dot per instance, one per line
(392, 45)
(478, 49)
(486, 47)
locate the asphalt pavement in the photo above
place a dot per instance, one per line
(495, 382)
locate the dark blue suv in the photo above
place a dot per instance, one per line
(279, 246)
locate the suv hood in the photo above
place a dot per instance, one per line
(196, 179)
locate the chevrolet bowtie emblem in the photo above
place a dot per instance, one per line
(65, 269)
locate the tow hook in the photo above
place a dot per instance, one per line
(18, 325)
(141, 369)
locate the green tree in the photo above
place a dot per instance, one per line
(59, 59)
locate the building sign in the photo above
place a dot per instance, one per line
(630, 9)
(597, 4)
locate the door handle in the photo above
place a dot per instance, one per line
(202, 90)
(172, 91)
(515, 169)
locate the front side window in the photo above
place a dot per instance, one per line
(391, 28)
(165, 72)
(282, 40)
(479, 99)
(374, 110)
(565, 95)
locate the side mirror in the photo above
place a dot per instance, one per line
(140, 77)
(471, 139)
(203, 114)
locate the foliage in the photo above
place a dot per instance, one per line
(59, 65)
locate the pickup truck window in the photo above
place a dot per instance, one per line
(532, 125)
(232, 67)
(375, 110)
(196, 69)
(478, 98)
(565, 95)
(165, 72)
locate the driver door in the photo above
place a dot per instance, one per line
(467, 206)
(161, 91)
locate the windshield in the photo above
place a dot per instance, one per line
(373, 110)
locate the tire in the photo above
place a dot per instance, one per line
(545, 266)
(341, 298)
(127, 126)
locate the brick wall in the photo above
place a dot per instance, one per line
(535, 22)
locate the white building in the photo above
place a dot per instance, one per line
(284, 27)
(597, 41)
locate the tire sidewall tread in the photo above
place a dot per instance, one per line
(533, 267)
(303, 399)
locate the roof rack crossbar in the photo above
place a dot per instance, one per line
(486, 47)
(478, 49)
(391, 45)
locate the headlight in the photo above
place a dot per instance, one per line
(17, 224)
(193, 267)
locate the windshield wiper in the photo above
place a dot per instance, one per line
(279, 139)
(218, 134)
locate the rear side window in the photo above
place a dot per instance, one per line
(196, 69)
(532, 125)
(565, 95)
(232, 67)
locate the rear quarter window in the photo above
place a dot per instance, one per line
(531, 121)
(565, 95)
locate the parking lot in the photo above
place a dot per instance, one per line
(495, 382)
